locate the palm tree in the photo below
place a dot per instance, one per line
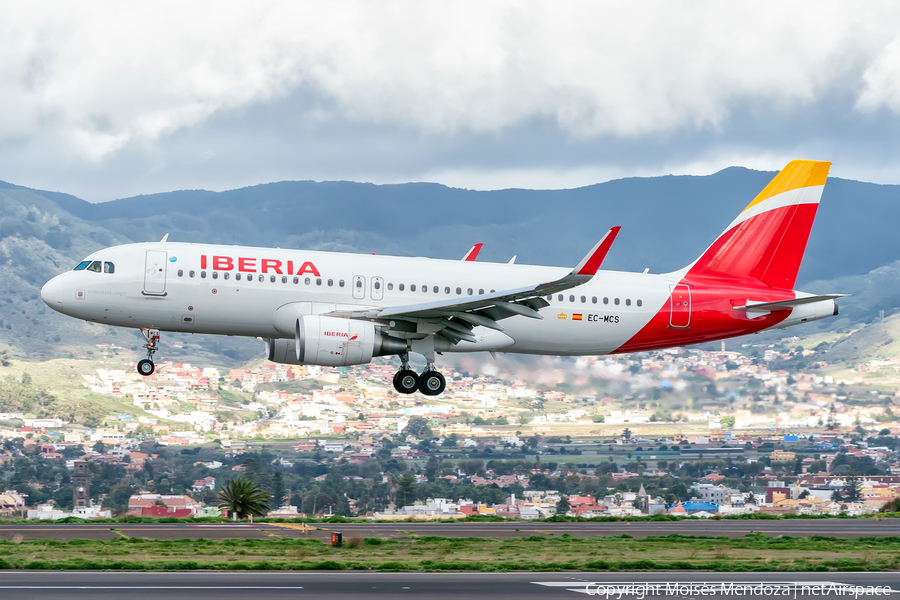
(243, 497)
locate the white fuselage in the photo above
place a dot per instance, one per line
(234, 290)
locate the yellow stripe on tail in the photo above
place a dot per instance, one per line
(797, 174)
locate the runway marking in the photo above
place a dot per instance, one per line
(151, 587)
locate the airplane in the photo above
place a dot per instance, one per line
(340, 309)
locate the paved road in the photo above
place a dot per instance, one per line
(76, 585)
(171, 531)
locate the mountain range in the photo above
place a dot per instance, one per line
(667, 222)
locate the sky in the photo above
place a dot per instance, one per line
(113, 99)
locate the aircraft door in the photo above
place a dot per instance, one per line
(155, 273)
(359, 287)
(680, 306)
(377, 288)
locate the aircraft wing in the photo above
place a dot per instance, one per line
(460, 315)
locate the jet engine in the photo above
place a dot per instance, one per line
(333, 342)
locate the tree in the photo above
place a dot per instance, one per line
(433, 468)
(278, 488)
(751, 498)
(99, 447)
(418, 427)
(563, 506)
(727, 421)
(406, 489)
(852, 489)
(626, 434)
(598, 418)
(243, 497)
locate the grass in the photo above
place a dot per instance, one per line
(755, 552)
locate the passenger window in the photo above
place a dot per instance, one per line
(446, 290)
(560, 297)
(202, 274)
(181, 273)
(492, 291)
(359, 284)
(82, 265)
(436, 289)
(296, 280)
(331, 283)
(470, 291)
(95, 266)
(318, 281)
(284, 279)
(226, 275)
(306, 281)
(377, 285)
(108, 267)
(617, 301)
(594, 299)
(627, 301)
(425, 288)
(190, 273)
(550, 297)
(412, 287)
(583, 299)
(605, 300)
(480, 292)
(271, 279)
(400, 287)
(390, 286)
(571, 298)
(459, 291)
(639, 303)
(341, 283)
(215, 274)
(236, 276)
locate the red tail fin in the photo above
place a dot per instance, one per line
(767, 240)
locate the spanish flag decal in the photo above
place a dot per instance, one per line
(576, 317)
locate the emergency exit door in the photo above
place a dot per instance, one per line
(377, 288)
(680, 306)
(155, 273)
(359, 287)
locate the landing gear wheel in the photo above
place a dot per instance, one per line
(406, 381)
(146, 367)
(432, 383)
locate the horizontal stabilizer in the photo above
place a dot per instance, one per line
(786, 304)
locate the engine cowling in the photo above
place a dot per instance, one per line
(333, 342)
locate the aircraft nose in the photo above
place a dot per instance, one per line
(52, 294)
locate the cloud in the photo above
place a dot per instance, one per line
(85, 85)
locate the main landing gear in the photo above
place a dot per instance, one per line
(146, 367)
(430, 382)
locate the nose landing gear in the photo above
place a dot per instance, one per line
(430, 382)
(146, 367)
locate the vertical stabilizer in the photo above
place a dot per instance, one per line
(767, 240)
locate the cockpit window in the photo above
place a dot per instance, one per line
(108, 267)
(95, 266)
(82, 265)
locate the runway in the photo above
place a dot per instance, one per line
(170, 531)
(79, 585)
